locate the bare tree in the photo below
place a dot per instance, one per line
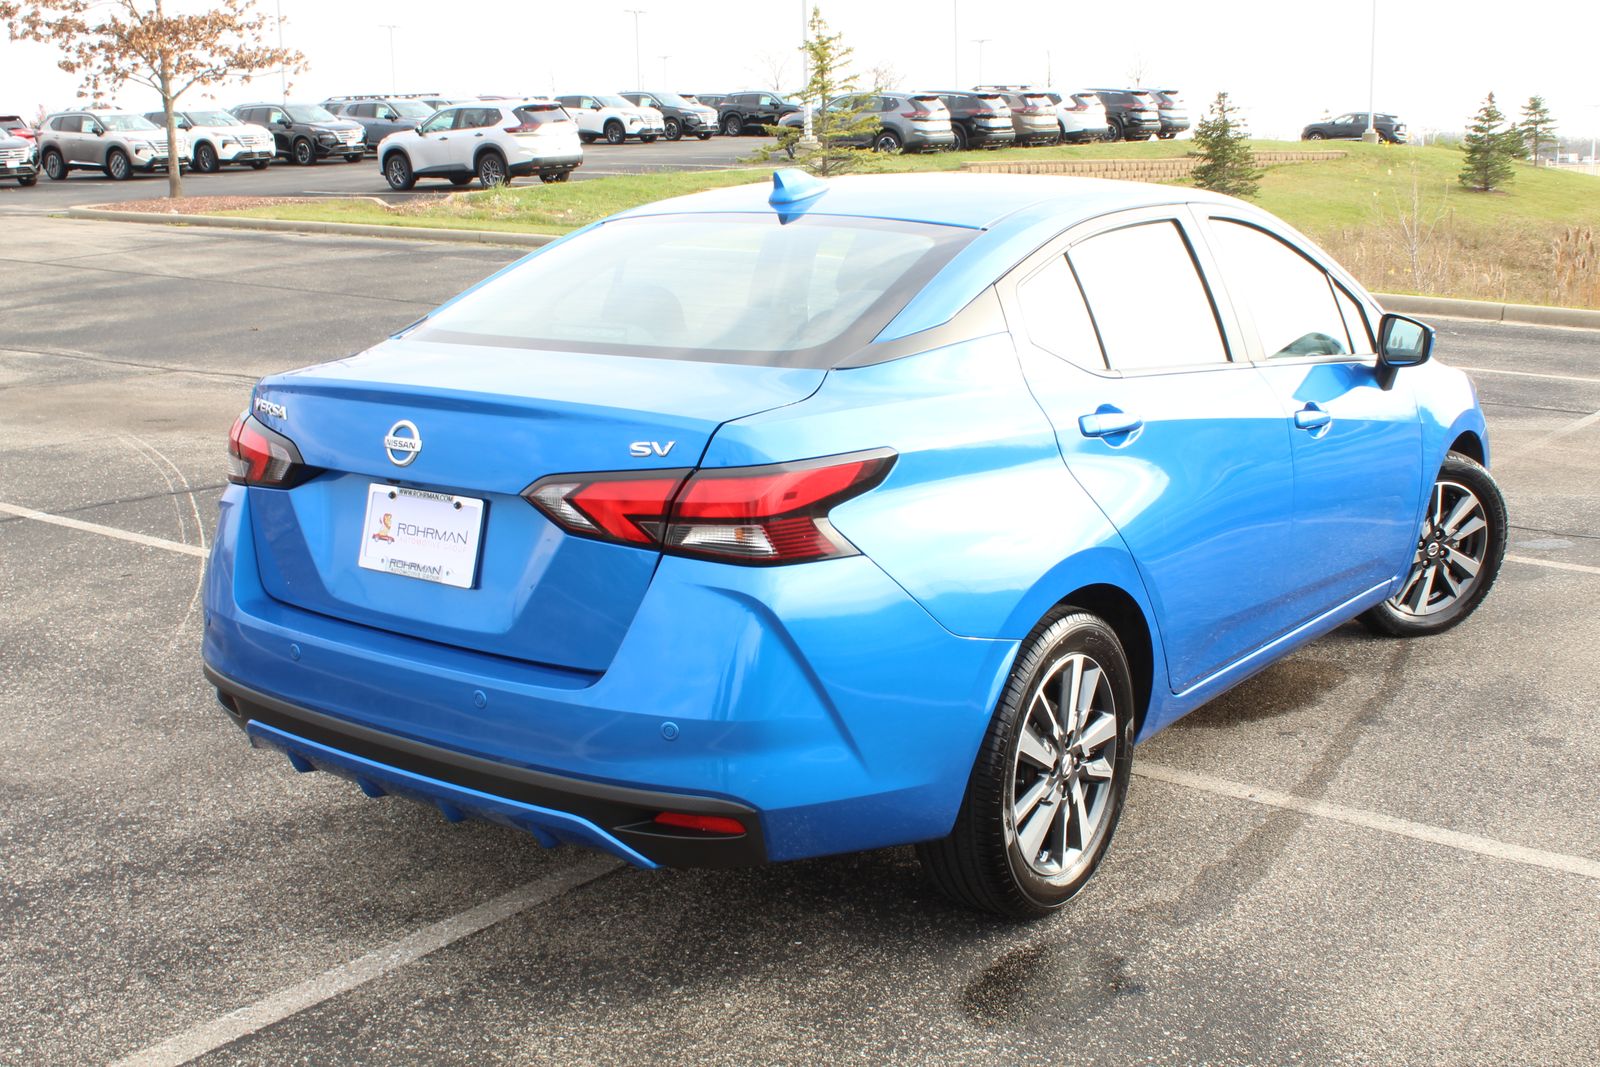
(112, 43)
(772, 70)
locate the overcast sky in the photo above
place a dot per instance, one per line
(1284, 62)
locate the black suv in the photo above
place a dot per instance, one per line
(380, 116)
(681, 115)
(1351, 126)
(979, 119)
(1131, 114)
(751, 111)
(306, 133)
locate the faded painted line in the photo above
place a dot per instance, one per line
(104, 531)
(1581, 568)
(1371, 820)
(1531, 374)
(242, 1022)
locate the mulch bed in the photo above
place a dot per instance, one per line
(205, 205)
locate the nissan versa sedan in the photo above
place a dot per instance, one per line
(795, 519)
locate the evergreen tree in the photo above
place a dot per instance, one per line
(1488, 150)
(838, 128)
(1227, 165)
(1538, 129)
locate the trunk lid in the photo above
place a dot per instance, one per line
(489, 423)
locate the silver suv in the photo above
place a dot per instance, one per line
(118, 142)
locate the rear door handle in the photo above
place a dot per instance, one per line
(1311, 417)
(1108, 423)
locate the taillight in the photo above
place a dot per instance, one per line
(757, 515)
(1079, 107)
(263, 457)
(526, 127)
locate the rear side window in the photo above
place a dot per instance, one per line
(473, 118)
(1149, 304)
(1289, 298)
(720, 288)
(1056, 318)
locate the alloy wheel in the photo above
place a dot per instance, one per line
(1064, 770)
(1450, 552)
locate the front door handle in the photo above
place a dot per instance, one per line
(477, 135)
(1108, 423)
(1311, 417)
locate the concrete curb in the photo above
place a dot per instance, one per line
(344, 229)
(1521, 314)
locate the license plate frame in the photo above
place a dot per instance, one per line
(422, 535)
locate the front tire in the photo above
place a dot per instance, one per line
(733, 125)
(397, 170)
(259, 164)
(27, 180)
(1048, 785)
(614, 132)
(705, 136)
(55, 166)
(1459, 550)
(304, 154)
(205, 159)
(117, 165)
(674, 130)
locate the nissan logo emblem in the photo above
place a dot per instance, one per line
(403, 442)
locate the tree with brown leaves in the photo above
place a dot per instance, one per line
(111, 43)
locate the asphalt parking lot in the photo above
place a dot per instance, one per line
(1374, 852)
(338, 178)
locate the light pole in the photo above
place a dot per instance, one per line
(1370, 134)
(283, 70)
(955, 44)
(394, 82)
(663, 75)
(638, 78)
(980, 42)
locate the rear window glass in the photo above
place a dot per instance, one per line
(539, 114)
(717, 288)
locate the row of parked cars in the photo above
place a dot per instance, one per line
(496, 139)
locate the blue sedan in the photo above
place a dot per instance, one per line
(803, 518)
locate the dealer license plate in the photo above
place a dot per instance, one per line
(431, 536)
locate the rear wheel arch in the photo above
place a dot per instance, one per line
(1124, 615)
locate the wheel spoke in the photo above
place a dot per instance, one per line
(1097, 733)
(1080, 812)
(1458, 514)
(1470, 527)
(1033, 748)
(1424, 588)
(1045, 713)
(1031, 835)
(1086, 695)
(1071, 690)
(1438, 505)
(1099, 769)
(1416, 576)
(1462, 562)
(1030, 800)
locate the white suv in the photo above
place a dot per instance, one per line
(217, 137)
(493, 142)
(609, 116)
(1081, 114)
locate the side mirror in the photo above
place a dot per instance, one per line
(283, 120)
(99, 131)
(1402, 342)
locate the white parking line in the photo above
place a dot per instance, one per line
(241, 1022)
(1372, 820)
(1581, 568)
(1531, 374)
(104, 531)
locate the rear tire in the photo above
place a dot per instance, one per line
(555, 177)
(647, 138)
(1167, 135)
(1113, 130)
(259, 164)
(459, 180)
(492, 170)
(887, 141)
(1314, 135)
(1459, 550)
(55, 166)
(117, 165)
(705, 136)
(397, 170)
(357, 158)
(963, 142)
(1047, 788)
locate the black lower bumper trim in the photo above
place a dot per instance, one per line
(623, 811)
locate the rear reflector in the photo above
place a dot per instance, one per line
(711, 824)
(263, 457)
(758, 515)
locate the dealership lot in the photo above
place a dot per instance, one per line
(1373, 851)
(360, 179)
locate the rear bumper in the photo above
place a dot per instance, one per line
(546, 165)
(552, 808)
(820, 700)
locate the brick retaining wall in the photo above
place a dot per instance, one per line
(1139, 170)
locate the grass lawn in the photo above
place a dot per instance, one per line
(1396, 216)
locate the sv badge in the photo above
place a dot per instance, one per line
(646, 449)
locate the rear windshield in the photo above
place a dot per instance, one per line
(716, 288)
(539, 114)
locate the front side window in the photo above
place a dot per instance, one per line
(1149, 304)
(442, 121)
(1289, 298)
(722, 288)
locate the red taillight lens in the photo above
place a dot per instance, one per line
(526, 127)
(263, 457)
(711, 824)
(759, 515)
